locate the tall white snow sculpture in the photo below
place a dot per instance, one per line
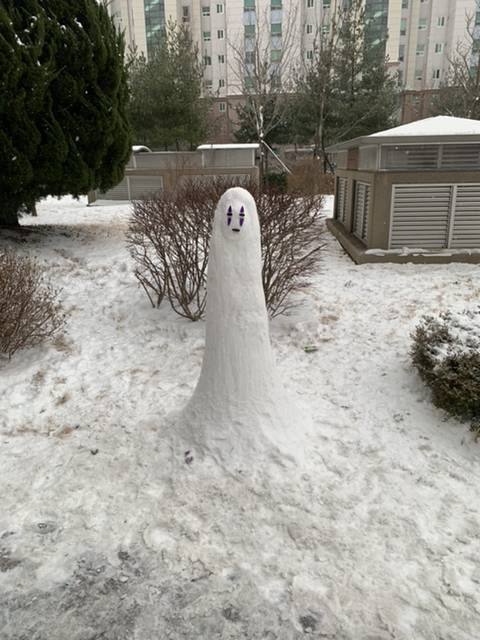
(239, 402)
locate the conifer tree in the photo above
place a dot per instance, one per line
(346, 89)
(166, 107)
(63, 123)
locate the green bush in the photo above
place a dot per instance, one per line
(446, 352)
(276, 181)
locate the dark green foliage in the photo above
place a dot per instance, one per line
(346, 89)
(63, 95)
(276, 181)
(363, 91)
(166, 107)
(446, 352)
(281, 133)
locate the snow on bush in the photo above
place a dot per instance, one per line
(446, 352)
(29, 309)
(169, 235)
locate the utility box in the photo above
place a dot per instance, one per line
(411, 193)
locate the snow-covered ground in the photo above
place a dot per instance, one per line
(106, 532)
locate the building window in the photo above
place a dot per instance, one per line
(248, 82)
(219, 8)
(207, 61)
(309, 3)
(404, 4)
(221, 59)
(220, 34)
(309, 28)
(222, 107)
(249, 5)
(420, 49)
(249, 57)
(403, 27)
(205, 12)
(275, 55)
(477, 18)
(419, 76)
(275, 4)
(436, 74)
(401, 52)
(422, 23)
(326, 4)
(221, 83)
(441, 21)
(249, 30)
(325, 29)
(309, 55)
(276, 29)
(185, 14)
(438, 47)
(207, 84)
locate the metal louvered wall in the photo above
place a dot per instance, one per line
(460, 156)
(144, 186)
(425, 157)
(119, 192)
(435, 216)
(360, 209)
(466, 223)
(420, 216)
(341, 201)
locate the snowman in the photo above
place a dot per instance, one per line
(239, 406)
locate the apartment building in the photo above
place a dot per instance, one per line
(421, 35)
(430, 31)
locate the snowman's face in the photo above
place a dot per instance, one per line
(236, 216)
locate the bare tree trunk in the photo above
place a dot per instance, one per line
(8, 215)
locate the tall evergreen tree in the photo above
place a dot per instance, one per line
(345, 90)
(63, 86)
(364, 92)
(166, 107)
(280, 134)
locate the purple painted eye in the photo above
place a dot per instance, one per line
(229, 216)
(242, 215)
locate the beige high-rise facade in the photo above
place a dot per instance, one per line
(428, 33)
(422, 34)
(222, 29)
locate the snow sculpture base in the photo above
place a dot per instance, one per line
(239, 409)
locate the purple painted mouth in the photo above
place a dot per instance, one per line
(236, 230)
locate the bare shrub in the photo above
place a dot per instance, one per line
(291, 231)
(29, 310)
(308, 178)
(169, 235)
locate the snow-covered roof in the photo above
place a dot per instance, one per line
(436, 126)
(207, 147)
(437, 130)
